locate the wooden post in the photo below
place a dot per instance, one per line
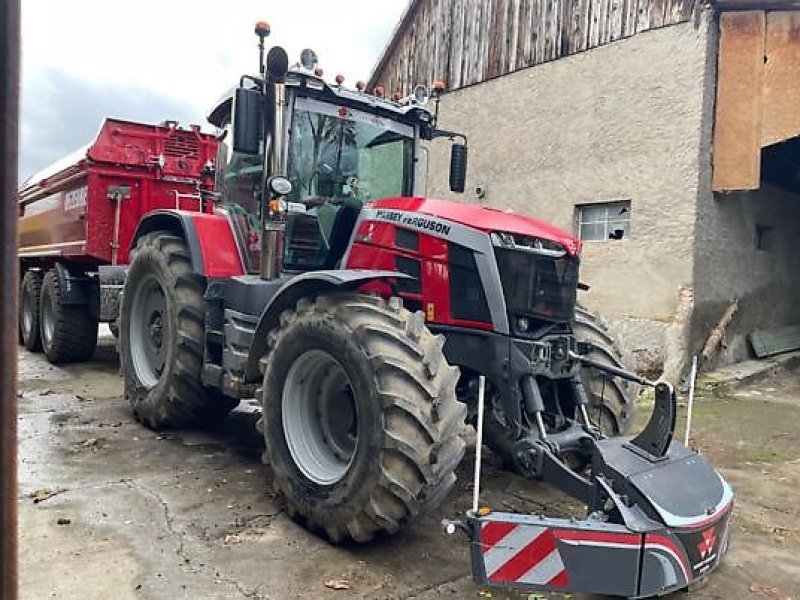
(9, 108)
(718, 333)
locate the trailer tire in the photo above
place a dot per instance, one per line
(30, 294)
(612, 405)
(68, 331)
(161, 337)
(360, 416)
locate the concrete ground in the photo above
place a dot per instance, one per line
(109, 509)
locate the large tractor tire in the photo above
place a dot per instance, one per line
(161, 341)
(30, 294)
(68, 331)
(360, 415)
(612, 405)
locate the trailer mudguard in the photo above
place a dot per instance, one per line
(212, 244)
(306, 285)
(77, 289)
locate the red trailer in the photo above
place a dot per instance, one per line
(77, 218)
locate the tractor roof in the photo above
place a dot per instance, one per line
(483, 218)
(298, 78)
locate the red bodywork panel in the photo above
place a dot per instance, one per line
(483, 218)
(382, 252)
(67, 211)
(375, 247)
(221, 256)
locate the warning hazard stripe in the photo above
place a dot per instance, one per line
(521, 554)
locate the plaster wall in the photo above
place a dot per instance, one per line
(729, 266)
(620, 122)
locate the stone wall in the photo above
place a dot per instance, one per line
(618, 122)
(729, 266)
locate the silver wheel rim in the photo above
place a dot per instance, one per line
(149, 331)
(48, 319)
(320, 417)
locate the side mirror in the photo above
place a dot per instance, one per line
(458, 167)
(277, 63)
(248, 112)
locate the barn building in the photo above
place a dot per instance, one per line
(663, 132)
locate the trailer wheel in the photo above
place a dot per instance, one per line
(68, 331)
(360, 416)
(30, 293)
(612, 404)
(161, 337)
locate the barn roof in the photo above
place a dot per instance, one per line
(470, 41)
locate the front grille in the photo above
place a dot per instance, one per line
(541, 286)
(182, 144)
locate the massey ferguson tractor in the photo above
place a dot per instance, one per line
(371, 323)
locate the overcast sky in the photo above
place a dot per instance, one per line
(150, 60)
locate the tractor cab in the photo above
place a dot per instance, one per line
(332, 148)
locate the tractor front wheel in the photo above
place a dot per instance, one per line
(612, 405)
(360, 416)
(161, 337)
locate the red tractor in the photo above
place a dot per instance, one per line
(366, 318)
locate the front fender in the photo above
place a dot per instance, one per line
(210, 238)
(308, 285)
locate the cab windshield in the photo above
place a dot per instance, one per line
(337, 152)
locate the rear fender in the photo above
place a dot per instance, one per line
(308, 285)
(211, 241)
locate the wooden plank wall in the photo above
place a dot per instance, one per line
(463, 42)
(740, 75)
(758, 92)
(781, 117)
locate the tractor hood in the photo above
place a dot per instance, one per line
(483, 218)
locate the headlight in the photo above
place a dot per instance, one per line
(514, 241)
(308, 58)
(279, 186)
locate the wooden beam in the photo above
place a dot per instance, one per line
(781, 111)
(737, 126)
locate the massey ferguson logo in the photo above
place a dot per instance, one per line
(389, 215)
(429, 224)
(425, 223)
(706, 545)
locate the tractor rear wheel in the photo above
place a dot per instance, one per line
(162, 329)
(360, 416)
(30, 293)
(611, 399)
(68, 331)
